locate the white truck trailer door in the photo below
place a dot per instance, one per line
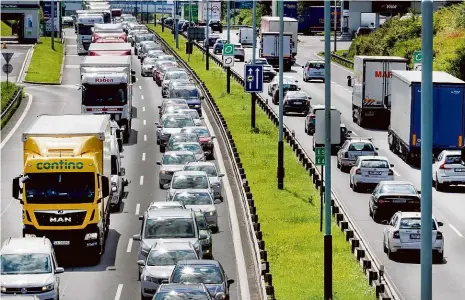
(391, 66)
(320, 127)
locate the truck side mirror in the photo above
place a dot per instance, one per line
(349, 81)
(133, 78)
(122, 171)
(133, 72)
(105, 187)
(16, 188)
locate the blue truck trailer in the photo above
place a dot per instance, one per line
(404, 133)
(312, 19)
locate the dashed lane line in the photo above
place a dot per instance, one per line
(145, 122)
(143, 108)
(129, 248)
(455, 230)
(137, 208)
(145, 138)
(118, 291)
(143, 156)
(142, 97)
(141, 181)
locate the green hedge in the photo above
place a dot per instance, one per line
(8, 92)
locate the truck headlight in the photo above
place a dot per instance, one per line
(3, 289)
(91, 236)
(48, 287)
(114, 189)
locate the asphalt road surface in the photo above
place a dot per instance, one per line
(116, 276)
(448, 207)
(17, 61)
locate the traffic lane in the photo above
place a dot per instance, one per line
(147, 99)
(17, 61)
(71, 73)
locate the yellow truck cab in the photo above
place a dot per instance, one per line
(64, 187)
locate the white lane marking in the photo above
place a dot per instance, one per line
(145, 138)
(140, 87)
(141, 181)
(137, 208)
(354, 133)
(129, 246)
(145, 122)
(143, 156)
(235, 230)
(23, 66)
(395, 172)
(118, 291)
(143, 108)
(142, 97)
(23, 115)
(456, 230)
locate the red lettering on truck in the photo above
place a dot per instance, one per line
(379, 74)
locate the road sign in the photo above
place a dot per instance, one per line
(417, 58)
(228, 50)
(7, 56)
(228, 61)
(7, 68)
(253, 75)
(319, 156)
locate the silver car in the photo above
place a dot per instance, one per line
(170, 125)
(199, 200)
(165, 205)
(171, 162)
(214, 176)
(147, 66)
(155, 54)
(173, 73)
(193, 147)
(183, 180)
(193, 113)
(160, 262)
(166, 58)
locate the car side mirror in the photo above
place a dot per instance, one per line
(136, 237)
(440, 224)
(203, 236)
(221, 175)
(105, 187)
(419, 192)
(16, 188)
(159, 106)
(298, 89)
(141, 263)
(201, 118)
(166, 186)
(384, 222)
(141, 217)
(392, 165)
(165, 281)
(349, 81)
(237, 33)
(159, 163)
(376, 148)
(230, 281)
(217, 201)
(133, 72)
(349, 131)
(126, 182)
(122, 172)
(59, 270)
(133, 78)
(213, 137)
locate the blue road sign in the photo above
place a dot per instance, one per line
(253, 75)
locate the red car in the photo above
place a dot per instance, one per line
(160, 69)
(206, 139)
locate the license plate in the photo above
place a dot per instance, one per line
(297, 102)
(374, 173)
(399, 201)
(414, 236)
(61, 243)
(459, 170)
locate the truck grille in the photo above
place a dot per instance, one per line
(60, 217)
(29, 290)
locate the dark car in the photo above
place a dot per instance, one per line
(180, 24)
(189, 92)
(218, 46)
(171, 291)
(296, 102)
(212, 38)
(187, 25)
(216, 25)
(208, 272)
(390, 197)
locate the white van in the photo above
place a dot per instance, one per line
(246, 36)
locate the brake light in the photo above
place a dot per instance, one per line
(439, 235)
(308, 102)
(358, 171)
(396, 235)
(381, 201)
(442, 166)
(311, 116)
(391, 172)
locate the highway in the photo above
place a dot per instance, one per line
(448, 207)
(116, 275)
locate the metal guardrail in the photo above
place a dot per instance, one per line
(372, 268)
(12, 102)
(343, 61)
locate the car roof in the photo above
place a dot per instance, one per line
(173, 245)
(409, 214)
(26, 245)
(202, 163)
(197, 143)
(192, 191)
(165, 203)
(170, 212)
(188, 109)
(316, 61)
(182, 134)
(373, 157)
(296, 94)
(452, 152)
(194, 127)
(176, 70)
(194, 173)
(360, 140)
(177, 153)
(199, 262)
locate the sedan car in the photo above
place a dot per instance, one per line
(214, 176)
(204, 228)
(206, 139)
(368, 171)
(239, 52)
(171, 162)
(211, 40)
(181, 137)
(199, 200)
(403, 235)
(165, 205)
(288, 86)
(448, 169)
(193, 113)
(160, 263)
(170, 102)
(193, 147)
(183, 180)
(191, 93)
(352, 149)
(173, 124)
(182, 291)
(166, 57)
(218, 46)
(147, 66)
(155, 54)
(391, 196)
(173, 73)
(296, 102)
(173, 109)
(132, 33)
(160, 69)
(208, 272)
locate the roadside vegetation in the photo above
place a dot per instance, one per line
(401, 36)
(8, 92)
(45, 66)
(5, 29)
(289, 218)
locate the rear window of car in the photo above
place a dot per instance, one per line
(361, 147)
(397, 189)
(372, 163)
(453, 159)
(316, 66)
(412, 223)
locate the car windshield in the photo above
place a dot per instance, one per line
(53, 188)
(398, 189)
(174, 102)
(202, 132)
(149, 61)
(183, 138)
(374, 163)
(178, 122)
(169, 228)
(412, 223)
(453, 160)
(193, 113)
(104, 95)
(167, 58)
(193, 198)
(361, 147)
(26, 264)
(201, 221)
(209, 169)
(182, 182)
(182, 294)
(187, 147)
(290, 87)
(169, 257)
(198, 273)
(185, 92)
(178, 159)
(176, 75)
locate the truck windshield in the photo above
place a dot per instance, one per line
(105, 95)
(52, 188)
(85, 29)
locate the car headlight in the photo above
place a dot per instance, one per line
(48, 287)
(210, 212)
(163, 172)
(91, 236)
(220, 296)
(151, 279)
(197, 106)
(3, 289)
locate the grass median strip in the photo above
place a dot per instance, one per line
(45, 66)
(8, 92)
(289, 218)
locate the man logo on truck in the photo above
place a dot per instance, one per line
(384, 74)
(60, 219)
(62, 164)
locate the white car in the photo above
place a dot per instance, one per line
(165, 205)
(275, 82)
(193, 113)
(448, 169)
(352, 149)
(214, 176)
(368, 171)
(403, 235)
(183, 180)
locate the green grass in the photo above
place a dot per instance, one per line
(8, 91)
(6, 29)
(289, 218)
(340, 53)
(45, 66)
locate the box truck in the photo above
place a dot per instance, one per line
(269, 49)
(404, 134)
(271, 24)
(370, 92)
(84, 24)
(245, 35)
(107, 49)
(64, 185)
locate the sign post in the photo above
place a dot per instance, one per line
(417, 58)
(320, 161)
(7, 68)
(228, 54)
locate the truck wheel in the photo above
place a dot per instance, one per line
(360, 120)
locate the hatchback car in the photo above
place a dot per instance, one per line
(160, 263)
(288, 86)
(183, 180)
(218, 46)
(197, 291)
(206, 139)
(160, 68)
(216, 25)
(314, 69)
(173, 109)
(214, 175)
(239, 52)
(391, 196)
(448, 170)
(173, 73)
(352, 149)
(275, 83)
(155, 54)
(191, 93)
(368, 171)
(211, 40)
(147, 66)
(171, 162)
(403, 234)
(296, 102)
(193, 147)
(173, 124)
(170, 102)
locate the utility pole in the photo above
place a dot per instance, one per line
(52, 19)
(254, 45)
(162, 15)
(328, 242)
(426, 148)
(335, 25)
(176, 29)
(207, 49)
(228, 37)
(281, 96)
(155, 15)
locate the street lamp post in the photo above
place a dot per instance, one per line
(207, 46)
(52, 19)
(280, 170)
(254, 45)
(176, 23)
(228, 36)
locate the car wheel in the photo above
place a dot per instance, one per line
(375, 216)
(350, 183)
(160, 185)
(438, 257)
(162, 148)
(439, 186)
(385, 249)
(355, 187)
(306, 129)
(391, 255)
(338, 165)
